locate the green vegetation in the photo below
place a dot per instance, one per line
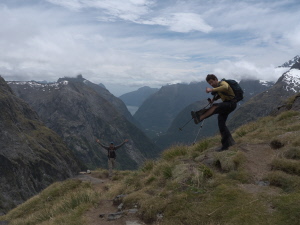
(60, 203)
(193, 184)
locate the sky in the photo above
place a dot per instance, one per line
(127, 44)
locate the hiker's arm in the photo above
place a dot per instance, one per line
(223, 87)
(103, 146)
(121, 144)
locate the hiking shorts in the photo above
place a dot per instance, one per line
(224, 107)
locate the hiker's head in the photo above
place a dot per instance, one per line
(111, 144)
(212, 80)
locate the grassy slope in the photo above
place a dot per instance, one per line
(193, 184)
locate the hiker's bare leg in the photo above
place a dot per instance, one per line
(209, 112)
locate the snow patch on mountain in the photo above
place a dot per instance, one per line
(292, 79)
(266, 83)
(39, 85)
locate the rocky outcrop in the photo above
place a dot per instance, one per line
(31, 155)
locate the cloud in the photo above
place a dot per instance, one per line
(246, 70)
(135, 10)
(143, 42)
(294, 36)
(113, 9)
(181, 22)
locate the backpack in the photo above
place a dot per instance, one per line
(238, 91)
(111, 153)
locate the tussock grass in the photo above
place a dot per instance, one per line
(286, 115)
(226, 161)
(292, 153)
(174, 152)
(286, 165)
(287, 208)
(60, 203)
(287, 182)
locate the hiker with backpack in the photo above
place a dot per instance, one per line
(230, 93)
(111, 154)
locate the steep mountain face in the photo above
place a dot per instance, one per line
(210, 125)
(80, 115)
(136, 98)
(158, 111)
(263, 104)
(103, 92)
(31, 155)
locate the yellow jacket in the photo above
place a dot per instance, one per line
(224, 91)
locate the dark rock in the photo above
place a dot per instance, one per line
(102, 215)
(115, 216)
(118, 199)
(275, 144)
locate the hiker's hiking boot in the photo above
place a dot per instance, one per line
(196, 115)
(224, 148)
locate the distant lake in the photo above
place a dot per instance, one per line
(132, 109)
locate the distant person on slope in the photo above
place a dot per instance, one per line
(221, 89)
(111, 154)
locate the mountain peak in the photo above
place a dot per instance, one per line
(78, 78)
(291, 62)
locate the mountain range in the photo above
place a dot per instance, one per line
(32, 156)
(159, 110)
(81, 112)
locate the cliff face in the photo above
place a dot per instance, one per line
(80, 115)
(31, 155)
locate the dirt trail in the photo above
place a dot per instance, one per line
(259, 158)
(258, 161)
(99, 214)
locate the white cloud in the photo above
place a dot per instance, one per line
(118, 9)
(181, 22)
(143, 42)
(294, 36)
(247, 70)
